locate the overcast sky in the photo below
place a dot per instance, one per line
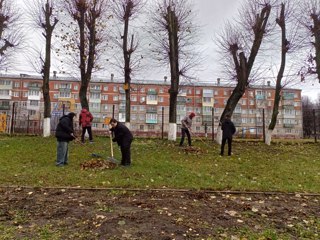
(212, 15)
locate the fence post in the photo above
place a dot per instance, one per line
(12, 117)
(112, 111)
(264, 126)
(212, 123)
(28, 123)
(314, 125)
(162, 124)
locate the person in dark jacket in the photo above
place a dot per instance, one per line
(64, 134)
(123, 137)
(228, 129)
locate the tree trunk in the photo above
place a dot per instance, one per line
(284, 48)
(174, 69)
(46, 69)
(127, 57)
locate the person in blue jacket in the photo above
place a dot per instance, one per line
(123, 137)
(64, 134)
(228, 129)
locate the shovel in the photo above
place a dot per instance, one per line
(112, 159)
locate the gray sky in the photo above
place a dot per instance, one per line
(212, 15)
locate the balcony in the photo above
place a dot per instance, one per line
(288, 96)
(260, 97)
(152, 92)
(4, 107)
(288, 125)
(152, 121)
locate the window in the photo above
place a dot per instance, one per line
(105, 88)
(4, 92)
(134, 108)
(34, 93)
(16, 84)
(251, 102)
(122, 97)
(142, 90)
(152, 97)
(76, 87)
(161, 99)
(94, 95)
(133, 98)
(115, 88)
(104, 97)
(31, 112)
(56, 86)
(65, 95)
(5, 82)
(115, 98)
(198, 92)
(55, 95)
(142, 108)
(207, 99)
(34, 103)
(95, 87)
(65, 85)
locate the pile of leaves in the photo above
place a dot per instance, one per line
(97, 163)
(193, 150)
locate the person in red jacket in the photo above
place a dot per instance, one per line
(85, 121)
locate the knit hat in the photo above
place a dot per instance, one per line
(71, 115)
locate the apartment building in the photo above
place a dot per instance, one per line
(150, 104)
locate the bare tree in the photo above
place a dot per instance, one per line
(83, 43)
(310, 19)
(289, 43)
(125, 11)
(11, 36)
(240, 43)
(44, 16)
(174, 35)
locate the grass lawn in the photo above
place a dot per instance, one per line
(288, 166)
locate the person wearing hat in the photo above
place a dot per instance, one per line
(64, 134)
(186, 124)
(123, 137)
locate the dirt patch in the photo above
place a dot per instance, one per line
(120, 214)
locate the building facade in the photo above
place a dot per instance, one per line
(21, 97)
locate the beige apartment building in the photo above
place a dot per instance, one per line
(21, 97)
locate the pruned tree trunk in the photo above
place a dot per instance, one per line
(48, 28)
(174, 70)
(281, 21)
(243, 66)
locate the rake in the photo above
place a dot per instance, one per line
(112, 159)
(199, 138)
(96, 155)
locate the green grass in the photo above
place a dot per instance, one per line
(288, 166)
